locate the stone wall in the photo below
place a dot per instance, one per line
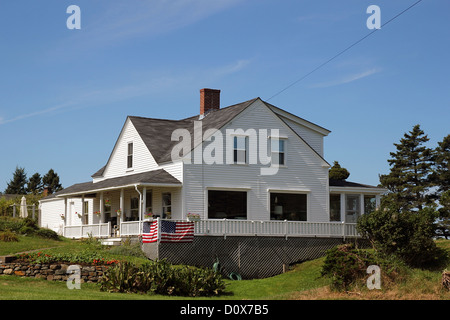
(52, 271)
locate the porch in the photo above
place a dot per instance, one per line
(224, 228)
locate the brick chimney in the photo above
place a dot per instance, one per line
(209, 100)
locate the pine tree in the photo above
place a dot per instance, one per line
(17, 183)
(441, 172)
(441, 180)
(51, 181)
(338, 173)
(409, 179)
(35, 184)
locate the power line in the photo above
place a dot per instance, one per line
(345, 50)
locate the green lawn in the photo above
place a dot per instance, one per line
(302, 282)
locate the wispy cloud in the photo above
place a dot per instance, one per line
(346, 79)
(102, 95)
(119, 22)
(231, 68)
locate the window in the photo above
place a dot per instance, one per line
(288, 206)
(369, 204)
(148, 204)
(278, 151)
(167, 205)
(130, 155)
(352, 208)
(240, 150)
(134, 209)
(107, 209)
(86, 211)
(227, 204)
(335, 207)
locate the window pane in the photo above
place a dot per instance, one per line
(335, 207)
(288, 206)
(369, 204)
(148, 202)
(352, 207)
(241, 156)
(130, 162)
(281, 158)
(130, 148)
(277, 145)
(239, 143)
(227, 204)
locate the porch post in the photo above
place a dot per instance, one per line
(361, 204)
(102, 208)
(65, 216)
(342, 206)
(144, 200)
(82, 209)
(377, 201)
(121, 205)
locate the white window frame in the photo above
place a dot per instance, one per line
(237, 148)
(277, 152)
(130, 155)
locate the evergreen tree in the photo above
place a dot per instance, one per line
(51, 181)
(441, 180)
(17, 183)
(409, 179)
(441, 172)
(35, 184)
(338, 173)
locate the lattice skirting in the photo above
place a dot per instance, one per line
(250, 257)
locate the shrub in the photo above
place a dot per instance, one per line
(408, 235)
(347, 267)
(160, 277)
(25, 230)
(47, 233)
(8, 236)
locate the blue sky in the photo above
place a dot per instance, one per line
(65, 94)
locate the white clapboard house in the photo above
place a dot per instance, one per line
(250, 168)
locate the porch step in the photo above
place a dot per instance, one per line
(112, 241)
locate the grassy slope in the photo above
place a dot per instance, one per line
(303, 282)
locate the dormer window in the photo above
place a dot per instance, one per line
(130, 155)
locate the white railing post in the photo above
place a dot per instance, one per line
(224, 228)
(285, 229)
(343, 230)
(158, 222)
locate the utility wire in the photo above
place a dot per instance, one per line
(343, 51)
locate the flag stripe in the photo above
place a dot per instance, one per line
(170, 232)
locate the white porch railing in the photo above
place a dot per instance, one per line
(275, 228)
(131, 228)
(224, 227)
(100, 230)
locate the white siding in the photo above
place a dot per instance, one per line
(313, 138)
(304, 171)
(50, 214)
(175, 169)
(142, 159)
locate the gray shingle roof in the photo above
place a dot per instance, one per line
(157, 133)
(343, 183)
(159, 176)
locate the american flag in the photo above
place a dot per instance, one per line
(150, 232)
(171, 231)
